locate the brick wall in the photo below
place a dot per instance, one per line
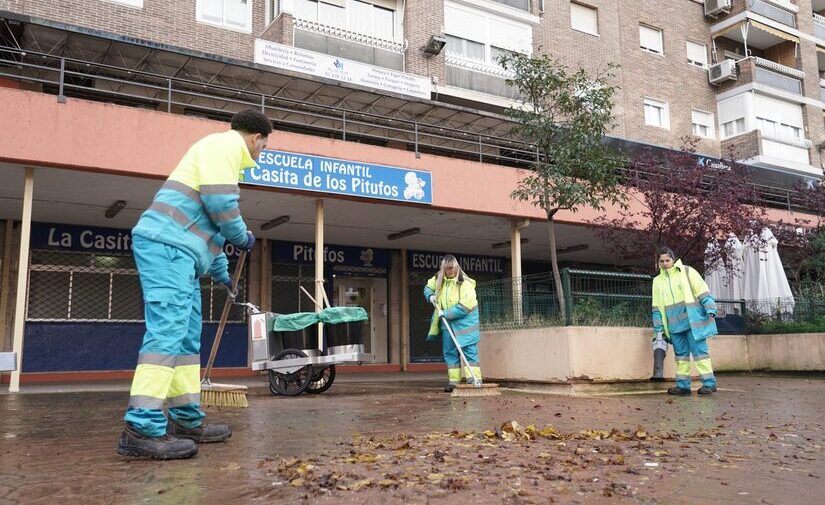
(422, 19)
(743, 146)
(164, 21)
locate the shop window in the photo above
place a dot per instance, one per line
(89, 287)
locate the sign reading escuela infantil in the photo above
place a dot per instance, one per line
(472, 264)
(281, 169)
(340, 69)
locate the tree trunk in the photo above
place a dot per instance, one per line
(555, 262)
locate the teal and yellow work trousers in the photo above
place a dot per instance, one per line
(453, 360)
(168, 367)
(685, 346)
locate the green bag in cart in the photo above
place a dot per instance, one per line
(295, 322)
(337, 315)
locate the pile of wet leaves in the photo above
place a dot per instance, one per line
(507, 462)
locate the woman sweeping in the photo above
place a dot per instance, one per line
(455, 294)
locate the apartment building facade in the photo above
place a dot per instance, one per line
(117, 89)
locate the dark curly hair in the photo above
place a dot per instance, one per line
(252, 121)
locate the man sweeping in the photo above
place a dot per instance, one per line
(455, 294)
(177, 240)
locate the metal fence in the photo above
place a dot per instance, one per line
(614, 299)
(79, 287)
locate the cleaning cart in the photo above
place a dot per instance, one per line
(298, 359)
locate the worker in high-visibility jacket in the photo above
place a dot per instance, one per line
(684, 313)
(179, 239)
(455, 294)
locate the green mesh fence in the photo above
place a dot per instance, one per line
(615, 299)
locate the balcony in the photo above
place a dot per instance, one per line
(778, 10)
(478, 76)
(819, 26)
(769, 73)
(343, 43)
(767, 151)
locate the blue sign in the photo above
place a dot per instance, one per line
(93, 239)
(472, 264)
(304, 253)
(281, 169)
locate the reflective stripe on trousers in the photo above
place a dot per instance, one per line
(169, 362)
(684, 345)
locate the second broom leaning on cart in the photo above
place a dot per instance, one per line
(455, 294)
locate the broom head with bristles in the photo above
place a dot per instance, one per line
(223, 395)
(471, 390)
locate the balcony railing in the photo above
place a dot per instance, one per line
(778, 76)
(341, 33)
(782, 12)
(819, 26)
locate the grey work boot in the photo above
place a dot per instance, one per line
(658, 365)
(705, 390)
(677, 391)
(203, 434)
(135, 444)
(449, 388)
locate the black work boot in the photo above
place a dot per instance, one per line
(704, 390)
(203, 434)
(133, 443)
(658, 365)
(677, 391)
(449, 388)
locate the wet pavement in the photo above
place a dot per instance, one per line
(398, 439)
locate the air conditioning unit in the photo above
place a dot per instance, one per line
(715, 8)
(721, 72)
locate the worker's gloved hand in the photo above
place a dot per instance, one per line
(250, 242)
(432, 299)
(228, 286)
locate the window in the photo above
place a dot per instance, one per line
(697, 54)
(130, 3)
(356, 16)
(482, 37)
(702, 123)
(650, 39)
(232, 14)
(775, 129)
(734, 127)
(656, 113)
(584, 19)
(466, 49)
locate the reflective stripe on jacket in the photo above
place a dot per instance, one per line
(458, 302)
(196, 209)
(681, 292)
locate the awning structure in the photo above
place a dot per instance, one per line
(755, 34)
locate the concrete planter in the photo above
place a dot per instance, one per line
(571, 354)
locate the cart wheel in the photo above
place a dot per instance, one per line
(290, 384)
(322, 379)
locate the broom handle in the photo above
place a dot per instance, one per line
(455, 342)
(236, 276)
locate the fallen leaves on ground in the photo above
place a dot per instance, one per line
(510, 460)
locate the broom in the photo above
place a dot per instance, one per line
(477, 388)
(223, 395)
